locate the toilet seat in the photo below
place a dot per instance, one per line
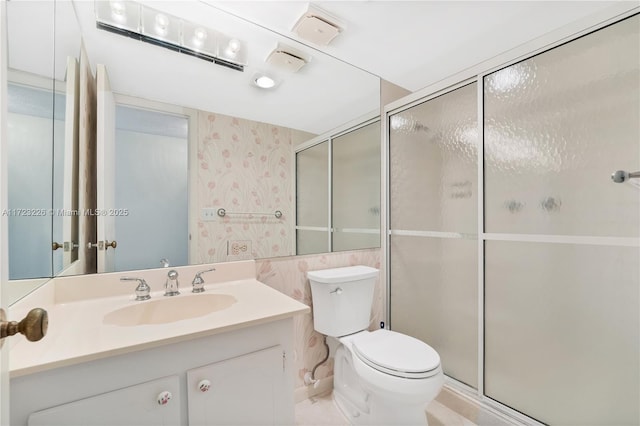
(396, 354)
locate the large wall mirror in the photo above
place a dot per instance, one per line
(185, 139)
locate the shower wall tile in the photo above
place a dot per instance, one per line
(289, 276)
(556, 127)
(244, 166)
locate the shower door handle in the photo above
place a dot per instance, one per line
(622, 176)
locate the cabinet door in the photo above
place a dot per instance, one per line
(246, 390)
(135, 405)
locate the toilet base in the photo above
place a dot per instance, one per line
(362, 405)
(379, 414)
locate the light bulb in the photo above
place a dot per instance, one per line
(199, 36)
(233, 47)
(265, 82)
(162, 24)
(118, 10)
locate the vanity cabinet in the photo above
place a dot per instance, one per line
(244, 376)
(133, 405)
(243, 390)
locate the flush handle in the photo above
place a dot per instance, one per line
(337, 290)
(33, 326)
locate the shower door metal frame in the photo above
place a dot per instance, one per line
(477, 74)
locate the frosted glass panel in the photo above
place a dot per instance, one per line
(342, 240)
(151, 184)
(356, 188)
(562, 331)
(433, 157)
(556, 127)
(434, 297)
(312, 186)
(309, 242)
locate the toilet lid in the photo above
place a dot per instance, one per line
(396, 354)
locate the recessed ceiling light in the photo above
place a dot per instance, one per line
(264, 81)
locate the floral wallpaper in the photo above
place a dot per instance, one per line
(289, 276)
(244, 166)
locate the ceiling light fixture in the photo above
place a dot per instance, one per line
(143, 23)
(162, 24)
(263, 81)
(117, 10)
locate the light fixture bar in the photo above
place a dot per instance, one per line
(103, 22)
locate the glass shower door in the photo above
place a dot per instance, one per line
(562, 325)
(433, 183)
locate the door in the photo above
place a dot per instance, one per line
(4, 225)
(70, 179)
(562, 283)
(105, 169)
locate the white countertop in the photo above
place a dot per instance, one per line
(77, 332)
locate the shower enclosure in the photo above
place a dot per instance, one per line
(511, 248)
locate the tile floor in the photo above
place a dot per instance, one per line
(321, 411)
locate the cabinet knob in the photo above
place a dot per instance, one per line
(204, 385)
(164, 397)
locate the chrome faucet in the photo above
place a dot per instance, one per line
(198, 282)
(171, 286)
(142, 291)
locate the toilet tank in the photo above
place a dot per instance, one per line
(342, 299)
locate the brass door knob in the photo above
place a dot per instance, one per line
(56, 246)
(33, 326)
(108, 244)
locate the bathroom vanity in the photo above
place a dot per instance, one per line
(108, 361)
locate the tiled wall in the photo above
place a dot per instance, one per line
(244, 166)
(288, 275)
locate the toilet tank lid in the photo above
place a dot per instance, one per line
(339, 275)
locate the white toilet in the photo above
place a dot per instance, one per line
(380, 377)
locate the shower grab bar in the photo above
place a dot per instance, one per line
(622, 176)
(223, 213)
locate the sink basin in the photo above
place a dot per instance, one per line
(169, 309)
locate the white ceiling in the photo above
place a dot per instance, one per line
(416, 43)
(409, 43)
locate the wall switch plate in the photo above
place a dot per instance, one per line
(208, 214)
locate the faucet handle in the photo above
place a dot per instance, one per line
(198, 282)
(142, 291)
(171, 285)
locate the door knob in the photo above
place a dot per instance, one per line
(33, 326)
(55, 246)
(112, 244)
